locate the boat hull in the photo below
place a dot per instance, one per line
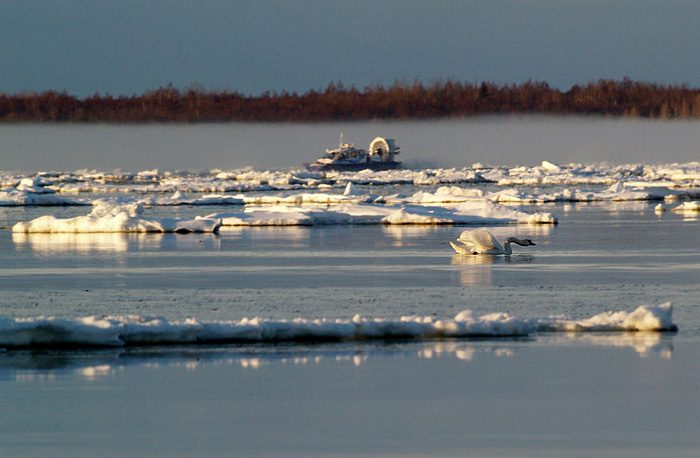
(374, 166)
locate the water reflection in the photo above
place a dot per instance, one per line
(95, 372)
(640, 206)
(111, 242)
(476, 271)
(473, 274)
(406, 235)
(689, 215)
(28, 376)
(296, 236)
(539, 230)
(81, 243)
(689, 210)
(25, 366)
(643, 343)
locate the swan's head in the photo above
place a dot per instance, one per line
(521, 242)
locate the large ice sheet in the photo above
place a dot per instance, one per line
(141, 330)
(110, 217)
(477, 212)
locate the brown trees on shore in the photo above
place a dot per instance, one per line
(399, 101)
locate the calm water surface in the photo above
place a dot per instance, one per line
(600, 257)
(572, 395)
(473, 398)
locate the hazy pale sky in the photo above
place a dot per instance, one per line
(130, 46)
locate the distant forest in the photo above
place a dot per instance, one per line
(399, 101)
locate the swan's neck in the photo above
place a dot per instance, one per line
(506, 246)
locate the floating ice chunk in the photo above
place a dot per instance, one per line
(616, 188)
(306, 198)
(115, 217)
(464, 315)
(457, 191)
(149, 173)
(404, 216)
(650, 318)
(444, 194)
(138, 330)
(644, 318)
(178, 198)
(542, 218)
(350, 190)
(102, 208)
(687, 207)
(497, 324)
(513, 195)
(16, 198)
(615, 193)
(550, 167)
(35, 185)
(52, 331)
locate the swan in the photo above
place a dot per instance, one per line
(481, 241)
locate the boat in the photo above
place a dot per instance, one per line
(380, 156)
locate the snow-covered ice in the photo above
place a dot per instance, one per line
(141, 330)
(478, 212)
(548, 182)
(473, 195)
(110, 217)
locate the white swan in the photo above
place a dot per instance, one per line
(481, 241)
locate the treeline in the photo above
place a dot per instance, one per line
(400, 101)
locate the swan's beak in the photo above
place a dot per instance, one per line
(533, 243)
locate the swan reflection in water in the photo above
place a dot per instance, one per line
(475, 271)
(471, 260)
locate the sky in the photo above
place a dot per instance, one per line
(128, 47)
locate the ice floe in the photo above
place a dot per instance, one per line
(479, 212)
(139, 330)
(22, 198)
(644, 318)
(547, 182)
(32, 192)
(687, 207)
(681, 178)
(476, 195)
(110, 217)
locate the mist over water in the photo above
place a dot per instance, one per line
(494, 140)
